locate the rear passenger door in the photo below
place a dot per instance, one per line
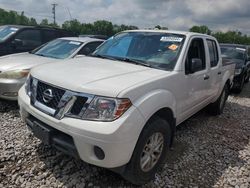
(215, 69)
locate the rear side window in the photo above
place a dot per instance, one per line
(89, 48)
(49, 35)
(213, 52)
(31, 38)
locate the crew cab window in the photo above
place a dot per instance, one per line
(31, 38)
(213, 52)
(196, 51)
(89, 48)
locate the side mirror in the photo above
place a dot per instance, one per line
(17, 43)
(79, 55)
(195, 65)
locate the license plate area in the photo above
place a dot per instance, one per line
(41, 131)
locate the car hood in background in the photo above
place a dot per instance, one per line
(22, 61)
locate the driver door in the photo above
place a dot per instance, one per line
(197, 82)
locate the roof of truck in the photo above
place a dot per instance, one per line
(168, 31)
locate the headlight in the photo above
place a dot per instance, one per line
(27, 85)
(237, 71)
(106, 109)
(14, 74)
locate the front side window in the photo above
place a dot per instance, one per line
(6, 32)
(30, 38)
(196, 51)
(213, 52)
(154, 49)
(59, 49)
(89, 48)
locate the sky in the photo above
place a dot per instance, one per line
(218, 15)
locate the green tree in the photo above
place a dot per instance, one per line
(32, 21)
(103, 27)
(44, 22)
(73, 25)
(201, 29)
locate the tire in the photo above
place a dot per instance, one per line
(239, 89)
(247, 78)
(138, 171)
(217, 107)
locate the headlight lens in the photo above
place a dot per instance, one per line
(106, 109)
(237, 71)
(14, 74)
(27, 85)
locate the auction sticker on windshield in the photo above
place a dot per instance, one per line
(171, 39)
(75, 43)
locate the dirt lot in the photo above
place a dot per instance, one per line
(209, 152)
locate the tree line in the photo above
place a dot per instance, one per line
(235, 37)
(104, 27)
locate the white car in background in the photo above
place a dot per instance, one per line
(15, 68)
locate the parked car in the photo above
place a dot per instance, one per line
(118, 108)
(18, 38)
(239, 54)
(15, 68)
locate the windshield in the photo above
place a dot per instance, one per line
(154, 49)
(59, 49)
(233, 52)
(6, 32)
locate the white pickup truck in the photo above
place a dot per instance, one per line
(119, 107)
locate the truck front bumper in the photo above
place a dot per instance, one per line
(86, 139)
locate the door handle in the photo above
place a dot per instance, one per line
(219, 72)
(206, 77)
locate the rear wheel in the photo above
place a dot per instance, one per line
(149, 153)
(217, 107)
(240, 87)
(247, 78)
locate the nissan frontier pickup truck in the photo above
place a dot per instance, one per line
(119, 107)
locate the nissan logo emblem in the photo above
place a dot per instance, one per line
(47, 95)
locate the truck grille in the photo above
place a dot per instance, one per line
(58, 102)
(57, 93)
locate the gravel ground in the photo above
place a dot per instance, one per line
(208, 152)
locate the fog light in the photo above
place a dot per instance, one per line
(10, 94)
(99, 153)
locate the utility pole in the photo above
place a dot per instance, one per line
(54, 12)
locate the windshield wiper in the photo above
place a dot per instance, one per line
(136, 61)
(41, 55)
(102, 56)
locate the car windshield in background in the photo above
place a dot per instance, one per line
(157, 50)
(6, 32)
(59, 49)
(233, 52)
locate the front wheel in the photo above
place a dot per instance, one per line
(217, 107)
(149, 153)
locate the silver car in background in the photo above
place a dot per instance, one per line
(15, 68)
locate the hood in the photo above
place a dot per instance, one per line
(22, 61)
(95, 75)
